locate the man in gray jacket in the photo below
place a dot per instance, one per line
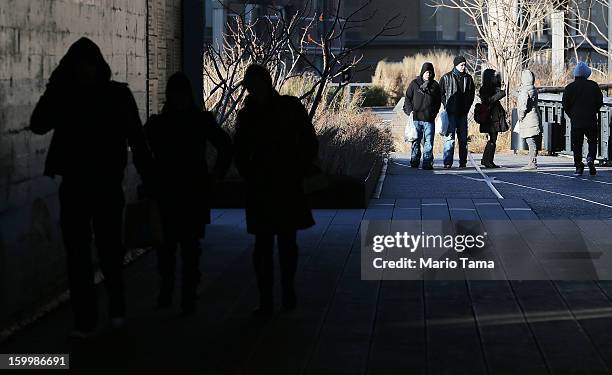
(457, 89)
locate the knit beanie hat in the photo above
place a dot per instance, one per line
(582, 70)
(458, 60)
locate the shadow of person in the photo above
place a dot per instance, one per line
(178, 137)
(275, 144)
(93, 119)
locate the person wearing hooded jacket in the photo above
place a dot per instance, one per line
(457, 90)
(275, 146)
(582, 100)
(529, 117)
(491, 95)
(423, 100)
(94, 120)
(178, 137)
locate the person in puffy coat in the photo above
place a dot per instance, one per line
(491, 95)
(423, 100)
(528, 116)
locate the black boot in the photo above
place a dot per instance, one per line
(592, 170)
(488, 155)
(166, 290)
(264, 268)
(493, 165)
(579, 170)
(288, 269)
(190, 251)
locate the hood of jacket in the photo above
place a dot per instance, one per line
(527, 78)
(428, 67)
(83, 49)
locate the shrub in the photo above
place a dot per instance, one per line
(350, 138)
(374, 96)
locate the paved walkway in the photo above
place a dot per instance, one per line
(345, 325)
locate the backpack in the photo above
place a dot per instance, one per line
(482, 113)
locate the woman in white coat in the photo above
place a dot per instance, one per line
(528, 116)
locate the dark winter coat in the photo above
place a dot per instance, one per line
(178, 141)
(93, 125)
(491, 95)
(423, 98)
(582, 100)
(457, 91)
(275, 146)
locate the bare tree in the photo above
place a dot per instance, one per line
(306, 40)
(582, 27)
(506, 27)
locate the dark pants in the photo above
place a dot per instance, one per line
(264, 265)
(578, 135)
(493, 137)
(190, 258)
(86, 205)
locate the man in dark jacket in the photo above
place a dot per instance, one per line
(94, 120)
(582, 100)
(457, 90)
(423, 100)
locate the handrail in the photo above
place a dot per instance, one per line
(559, 89)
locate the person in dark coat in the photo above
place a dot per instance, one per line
(93, 119)
(275, 146)
(582, 100)
(178, 137)
(423, 100)
(491, 95)
(457, 90)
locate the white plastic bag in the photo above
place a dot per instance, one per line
(442, 123)
(410, 132)
(517, 127)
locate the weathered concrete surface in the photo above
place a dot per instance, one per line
(34, 35)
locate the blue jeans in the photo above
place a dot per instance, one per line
(425, 131)
(456, 125)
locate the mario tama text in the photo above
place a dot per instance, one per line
(431, 263)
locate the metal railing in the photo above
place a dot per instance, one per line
(556, 126)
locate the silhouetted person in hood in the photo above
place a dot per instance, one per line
(275, 145)
(423, 100)
(94, 120)
(178, 137)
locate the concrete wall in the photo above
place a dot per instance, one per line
(164, 42)
(34, 35)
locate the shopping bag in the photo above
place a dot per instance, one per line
(442, 123)
(315, 179)
(142, 226)
(517, 127)
(410, 132)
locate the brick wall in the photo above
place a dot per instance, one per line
(34, 35)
